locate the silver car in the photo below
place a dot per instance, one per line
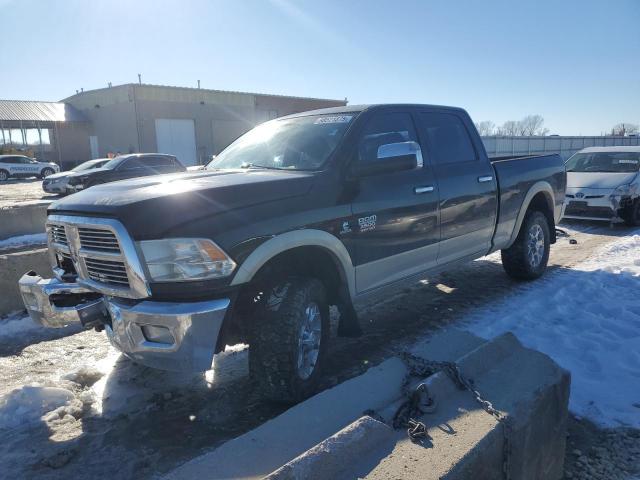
(57, 183)
(603, 183)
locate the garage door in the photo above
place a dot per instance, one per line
(177, 137)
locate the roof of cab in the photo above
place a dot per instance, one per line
(365, 107)
(632, 148)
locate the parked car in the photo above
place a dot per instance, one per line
(329, 207)
(57, 183)
(603, 183)
(124, 167)
(20, 166)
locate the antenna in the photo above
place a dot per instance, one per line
(198, 83)
(140, 78)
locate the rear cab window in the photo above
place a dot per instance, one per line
(447, 138)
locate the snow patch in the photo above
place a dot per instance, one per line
(24, 241)
(29, 403)
(588, 320)
(17, 324)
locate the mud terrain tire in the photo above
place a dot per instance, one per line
(277, 338)
(527, 258)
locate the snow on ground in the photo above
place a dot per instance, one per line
(24, 241)
(29, 403)
(588, 320)
(17, 324)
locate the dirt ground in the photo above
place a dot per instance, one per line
(16, 191)
(130, 421)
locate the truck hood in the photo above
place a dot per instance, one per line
(149, 205)
(599, 179)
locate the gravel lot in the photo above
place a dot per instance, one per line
(133, 430)
(16, 191)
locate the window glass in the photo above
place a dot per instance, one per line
(16, 136)
(613, 162)
(300, 143)
(4, 136)
(157, 162)
(131, 164)
(448, 138)
(9, 160)
(44, 136)
(33, 136)
(382, 129)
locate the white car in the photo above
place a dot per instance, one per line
(603, 183)
(57, 183)
(20, 166)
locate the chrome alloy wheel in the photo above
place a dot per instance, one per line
(535, 245)
(309, 341)
(3, 176)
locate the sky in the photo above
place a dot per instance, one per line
(575, 62)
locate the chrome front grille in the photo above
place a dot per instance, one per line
(97, 239)
(107, 271)
(100, 252)
(58, 234)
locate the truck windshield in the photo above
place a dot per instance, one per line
(610, 162)
(300, 143)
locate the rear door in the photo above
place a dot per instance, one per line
(467, 187)
(394, 229)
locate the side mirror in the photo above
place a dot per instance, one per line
(391, 157)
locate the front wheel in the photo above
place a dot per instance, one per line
(527, 258)
(46, 172)
(288, 345)
(4, 175)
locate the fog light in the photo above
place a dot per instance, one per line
(157, 334)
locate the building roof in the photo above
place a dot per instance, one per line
(32, 111)
(209, 90)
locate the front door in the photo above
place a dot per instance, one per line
(395, 215)
(467, 186)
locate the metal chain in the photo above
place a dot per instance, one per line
(419, 401)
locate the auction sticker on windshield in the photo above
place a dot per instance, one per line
(334, 119)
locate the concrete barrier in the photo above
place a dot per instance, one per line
(12, 267)
(22, 220)
(463, 440)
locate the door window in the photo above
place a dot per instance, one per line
(131, 164)
(448, 139)
(383, 129)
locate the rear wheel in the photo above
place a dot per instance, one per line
(527, 258)
(4, 175)
(289, 339)
(632, 218)
(46, 172)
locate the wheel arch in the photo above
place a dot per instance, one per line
(540, 197)
(300, 249)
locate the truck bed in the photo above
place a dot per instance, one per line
(515, 176)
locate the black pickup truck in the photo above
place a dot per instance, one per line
(329, 207)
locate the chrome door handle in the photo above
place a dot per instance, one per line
(487, 178)
(419, 190)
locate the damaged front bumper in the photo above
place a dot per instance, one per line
(595, 205)
(178, 336)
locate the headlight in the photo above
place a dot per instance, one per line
(625, 189)
(178, 259)
(76, 180)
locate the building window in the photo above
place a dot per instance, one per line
(32, 136)
(44, 137)
(16, 136)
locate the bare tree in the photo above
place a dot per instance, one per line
(532, 125)
(485, 128)
(508, 128)
(529, 125)
(623, 129)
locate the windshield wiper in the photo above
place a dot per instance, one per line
(253, 165)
